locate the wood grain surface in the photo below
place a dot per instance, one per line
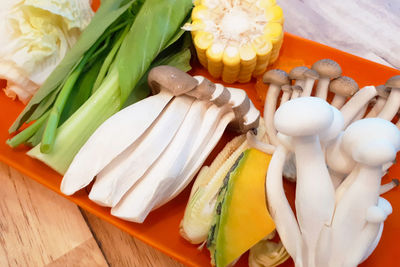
(40, 228)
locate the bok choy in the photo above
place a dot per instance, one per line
(103, 71)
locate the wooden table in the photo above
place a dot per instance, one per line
(39, 227)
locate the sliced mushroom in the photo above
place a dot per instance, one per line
(380, 102)
(327, 70)
(275, 78)
(392, 104)
(343, 87)
(88, 163)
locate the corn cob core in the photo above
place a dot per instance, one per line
(236, 39)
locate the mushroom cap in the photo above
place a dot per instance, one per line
(171, 79)
(382, 91)
(385, 205)
(312, 74)
(303, 116)
(344, 86)
(375, 215)
(297, 73)
(335, 128)
(372, 141)
(327, 68)
(393, 82)
(276, 76)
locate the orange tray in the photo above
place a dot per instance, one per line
(161, 228)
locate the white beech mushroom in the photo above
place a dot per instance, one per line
(304, 119)
(297, 75)
(279, 208)
(389, 186)
(88, 162)
(392, 104)
(296, 91)
(343, 87)
(311, 76)
(370, 151)
(363, 110)
(356, 103)
(327, 70)
(380, 102)
(287, 92)
(275, 78)
(375, 217)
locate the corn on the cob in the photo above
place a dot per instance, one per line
(236, 39)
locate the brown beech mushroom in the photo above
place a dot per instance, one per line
(392, 104)
(296, 91)
(311, 76)
(297, 75)
(287, 92)
(275, 78)
(380, 101)
(343, 87)
(327, 70)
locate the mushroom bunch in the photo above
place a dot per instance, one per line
(147, 153)
(381, 102)
(332, 227)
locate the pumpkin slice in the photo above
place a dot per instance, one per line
(242, 218)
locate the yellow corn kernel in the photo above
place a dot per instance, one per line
(196, 26)
(200, 12)
(274, 14)
(266, 3)
(202, 41)
(231, 60)
(248, 61)
(214, 56)
(263, 48)
(274, 32)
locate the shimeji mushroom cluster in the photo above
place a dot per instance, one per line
(147, 153)
(338, 167)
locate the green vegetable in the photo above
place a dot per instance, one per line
(107, 68)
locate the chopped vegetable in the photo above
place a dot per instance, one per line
(236, 39)
(241, 215)
(36, 35)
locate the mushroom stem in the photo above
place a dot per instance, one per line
(314, 208)
(389, 186)
(308, 86)
(287, 92)
(356, 103)
(255, 143)
(391, 106)
(296, 91)
(338, 101)
(322, 88)
(269, 110)
(360, 114)
(375, 216)
(376, 109)
(279, 207)
(349, 217)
